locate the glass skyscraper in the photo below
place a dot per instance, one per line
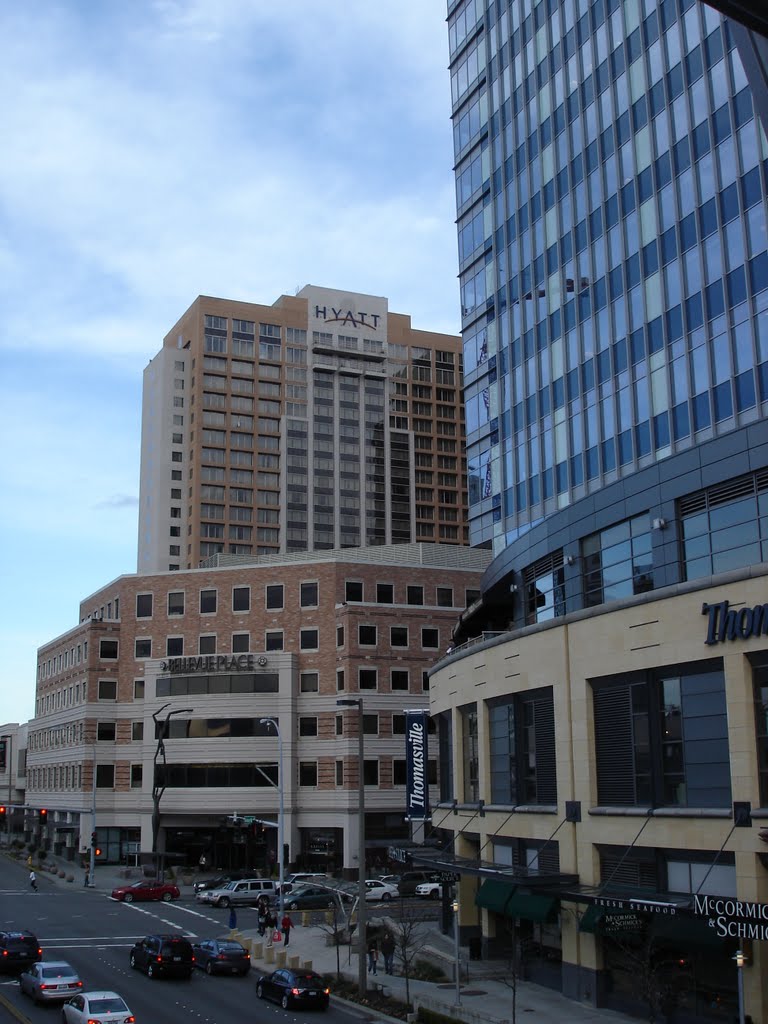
(611, 202)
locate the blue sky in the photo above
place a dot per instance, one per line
(157, 150)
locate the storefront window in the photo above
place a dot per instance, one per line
(522, 748)
(470, 754)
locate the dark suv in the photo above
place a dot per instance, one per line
(410, 879)
(18, 950)
(163, 956)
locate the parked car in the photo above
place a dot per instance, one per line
(146, 889)
(18, 950)
(246, 892)
(313, 897)
(219, 881)
(163, 955)
(106, 1007)
(49, 981)
(299, 877)
(221, 956)
(432, 890)
(294, 988)
(391, 879)
(411, 879)
(378, 890)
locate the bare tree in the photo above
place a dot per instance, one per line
(338, 929)
(407, 933)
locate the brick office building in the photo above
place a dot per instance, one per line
(222, 648)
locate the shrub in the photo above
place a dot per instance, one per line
(426, 1016)
(425, 971)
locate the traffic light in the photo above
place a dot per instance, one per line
(97, 851)
(2, 813)
(94, 838)
(43, 815)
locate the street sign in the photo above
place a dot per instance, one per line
(447, 876)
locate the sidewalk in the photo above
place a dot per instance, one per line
(483, 1000)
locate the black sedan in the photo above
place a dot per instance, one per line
(294, 988)
(221, 956)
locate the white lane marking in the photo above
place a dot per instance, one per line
(176, 906)
(163, 920)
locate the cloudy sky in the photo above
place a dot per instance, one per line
(157, 150)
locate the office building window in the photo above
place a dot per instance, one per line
(241, 599)
(273, 640)
(385, 593)
(444, 597)
(544, 589)
(522, 748)
(368, 678)
(174, 646)
(430, 638)
(274, 596)
(106, 731)
(308, 773)
(105, 776)
(307, 725)
(241, 643)
(725, 527)
(176, 602)
(206, 645)
(370, 773)
(108, 650)
(137, 731)
(618, 562)
(760, 685)
(309, 595)
(400, 679)
(143, 606)
(138, 689)
(415, 595)
(137, 776)
(309, 639)
(371, 724)
(309, 682)
(661, 738)
(339, 679)
(208, 602)
(142, 648)
(366, 636)
(445, 754)
(339, 773)
(107, 689)
(339, 636)
(470, 753)
(353, 591)
(398, 636)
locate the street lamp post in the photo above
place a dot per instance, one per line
(281, 811)
(456, 951)
(92, 860)
(740, 959)
(157, 788)
(9, 766)
(361, 887)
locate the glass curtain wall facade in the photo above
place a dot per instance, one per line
(611, 201)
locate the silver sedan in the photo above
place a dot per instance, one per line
(48, 981)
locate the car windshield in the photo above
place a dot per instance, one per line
(306, 979)
(57, 971)
(231, 947)
(109, 1004)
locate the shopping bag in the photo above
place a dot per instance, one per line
(277, 937)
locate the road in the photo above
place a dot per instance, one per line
(95, 934)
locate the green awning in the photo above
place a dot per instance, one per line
(590, 919)
(530, 906)
(494, 894)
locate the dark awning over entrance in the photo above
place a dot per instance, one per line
(505, 898)
(494, 895)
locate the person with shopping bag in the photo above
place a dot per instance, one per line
(286, 924)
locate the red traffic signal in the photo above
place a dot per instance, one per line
(2, 812)
(43, 813)
(97, 851)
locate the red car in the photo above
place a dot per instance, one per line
(146, 889)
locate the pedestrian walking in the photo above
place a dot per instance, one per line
(232, 919)
(85, 879)
(270, 923)
(286, 924)
(373, 956)
(262, 917)
(388, 952)
(33, 880)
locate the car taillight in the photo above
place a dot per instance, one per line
(221, 957)
(43, 987)
(79, 984)
(247, 956)
(294, 992)
(5, 952)
(193, 959)
(327, 991)
(92, 1020)
(129, 1020)
(39, 951)
(159, 959)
